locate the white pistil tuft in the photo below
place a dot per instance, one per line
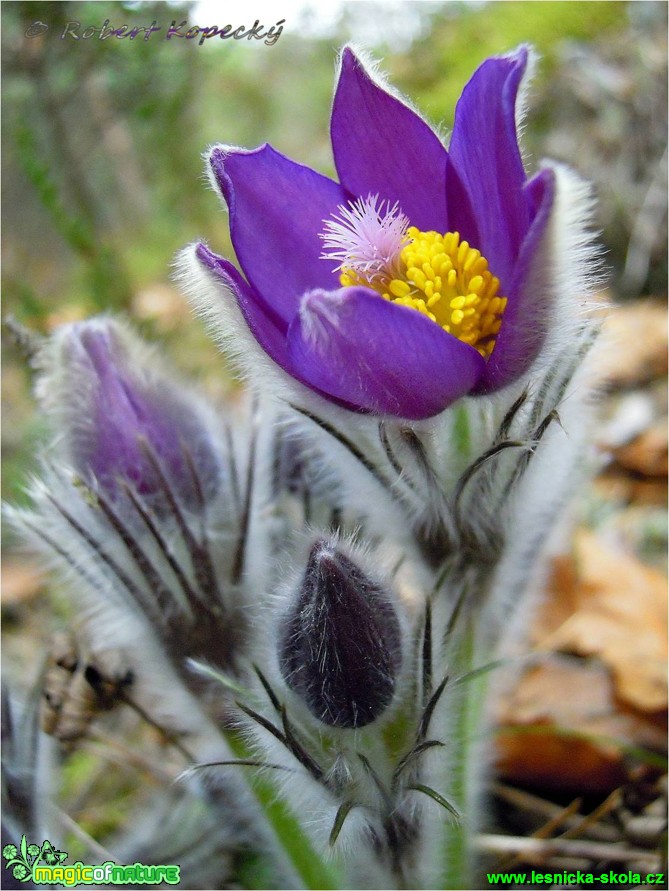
(366, 238)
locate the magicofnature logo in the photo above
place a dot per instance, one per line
(44, 865)
(22, 860)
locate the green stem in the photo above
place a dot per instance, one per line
(311, 868)
(461, 430)
(465, 769)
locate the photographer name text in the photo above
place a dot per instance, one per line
(176, 31)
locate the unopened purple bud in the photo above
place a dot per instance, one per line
(341, 645)
(125, 421)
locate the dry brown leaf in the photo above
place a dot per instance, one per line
(561, 600)
(647, 454)
(561, 727)
(618, 612)
(163, 305)
(569, 720)
(21, 580)
(634, 344)
(65, 314)
(621, 487)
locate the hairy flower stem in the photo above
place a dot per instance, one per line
(461, 431)
(466, 714)
(312, 870)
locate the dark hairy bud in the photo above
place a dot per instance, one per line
(340, 648)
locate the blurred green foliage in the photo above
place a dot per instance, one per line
(103, 139)
(455, 46)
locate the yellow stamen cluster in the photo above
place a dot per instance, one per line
(446, 280)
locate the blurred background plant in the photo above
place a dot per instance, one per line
(103, 183)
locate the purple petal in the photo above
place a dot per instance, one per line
(461, 216)
(277, 210)
(383, 147)
(484, 150)
(381, 357)
(267, 328)
(529, 312)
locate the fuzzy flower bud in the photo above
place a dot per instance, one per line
(340, 648)
(122, 419)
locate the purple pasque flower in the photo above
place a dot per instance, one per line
(422, 275)
(123, 421)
